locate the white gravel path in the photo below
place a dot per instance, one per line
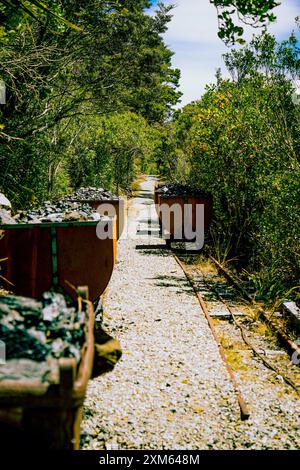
(170, 390)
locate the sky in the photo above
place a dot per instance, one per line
(192, 36)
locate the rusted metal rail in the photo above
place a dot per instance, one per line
(290, 345)
(245, 412)
(246, 340)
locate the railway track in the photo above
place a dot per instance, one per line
(195, 274)
(282, 336)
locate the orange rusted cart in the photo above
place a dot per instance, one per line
(187, 222)
(38, 257)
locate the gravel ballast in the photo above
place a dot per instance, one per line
(170, 390)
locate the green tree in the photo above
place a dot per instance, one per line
(257, 13)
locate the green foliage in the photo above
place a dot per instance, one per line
(70, 89)
(241, 142)
(113, 152)
(14, 12)
(257, 13)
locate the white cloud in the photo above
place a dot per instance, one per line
(192, 35)
(286, 15)
(194, 21)
(198, 68)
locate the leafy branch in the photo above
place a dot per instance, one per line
(256, 13)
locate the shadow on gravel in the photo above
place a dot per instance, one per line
(158, 250)
(149, 233)
(174, 281)
(149, 222)
(213, 287)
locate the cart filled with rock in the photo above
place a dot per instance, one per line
(49, 351)
(177, 206)
(61, 245)
(49, 356)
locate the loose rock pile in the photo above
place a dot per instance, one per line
(179, 190)
(61, 211)
(5, 211)
(92, 194)
(39, 330)
(6, 218)
(71, 208)
(4, 202)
